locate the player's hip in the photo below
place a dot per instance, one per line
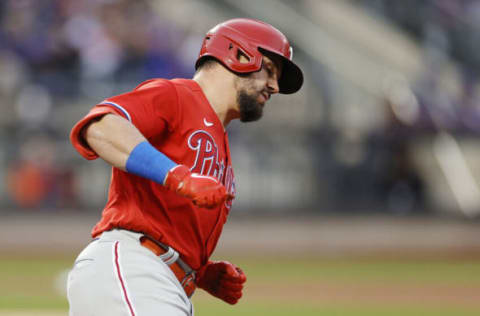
(115, 267)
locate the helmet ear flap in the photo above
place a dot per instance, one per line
(242, 56)
(233, 53)
(243, 59)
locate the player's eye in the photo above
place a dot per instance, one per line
(269, 71)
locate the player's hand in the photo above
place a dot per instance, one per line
(222, 279)
(204, 191)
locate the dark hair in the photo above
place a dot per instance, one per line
(206, 63)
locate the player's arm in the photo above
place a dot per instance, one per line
(113, 138)
(122, 145)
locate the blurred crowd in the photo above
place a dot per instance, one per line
(54, 52)
(68, 46)
(447, 31)
(444, 98)
(57, 54)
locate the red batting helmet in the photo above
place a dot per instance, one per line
(228, 40)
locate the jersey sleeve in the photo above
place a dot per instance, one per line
(152, 107)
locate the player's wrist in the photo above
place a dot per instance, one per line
(202, 269)
(146, 161)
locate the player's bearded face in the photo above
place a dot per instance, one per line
(254, 89)
(250, 108)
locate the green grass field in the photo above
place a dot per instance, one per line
(275, 286)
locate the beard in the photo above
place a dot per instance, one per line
(250, 109)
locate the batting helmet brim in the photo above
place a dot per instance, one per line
(292, 78)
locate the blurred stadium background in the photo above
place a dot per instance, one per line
(358, 195)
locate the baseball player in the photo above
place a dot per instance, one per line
(172, 181)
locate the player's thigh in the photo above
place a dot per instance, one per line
(123, 278)
(152, 287)
(92, 288)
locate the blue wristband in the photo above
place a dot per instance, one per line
(147, 162)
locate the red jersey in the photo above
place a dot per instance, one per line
(177, 119)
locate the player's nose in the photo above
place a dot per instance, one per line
(272, 85)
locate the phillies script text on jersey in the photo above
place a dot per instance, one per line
(206, 160)
(171, 114)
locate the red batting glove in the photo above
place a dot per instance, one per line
(203, 190)
(221, 279)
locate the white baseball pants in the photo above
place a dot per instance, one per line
(116, 275)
